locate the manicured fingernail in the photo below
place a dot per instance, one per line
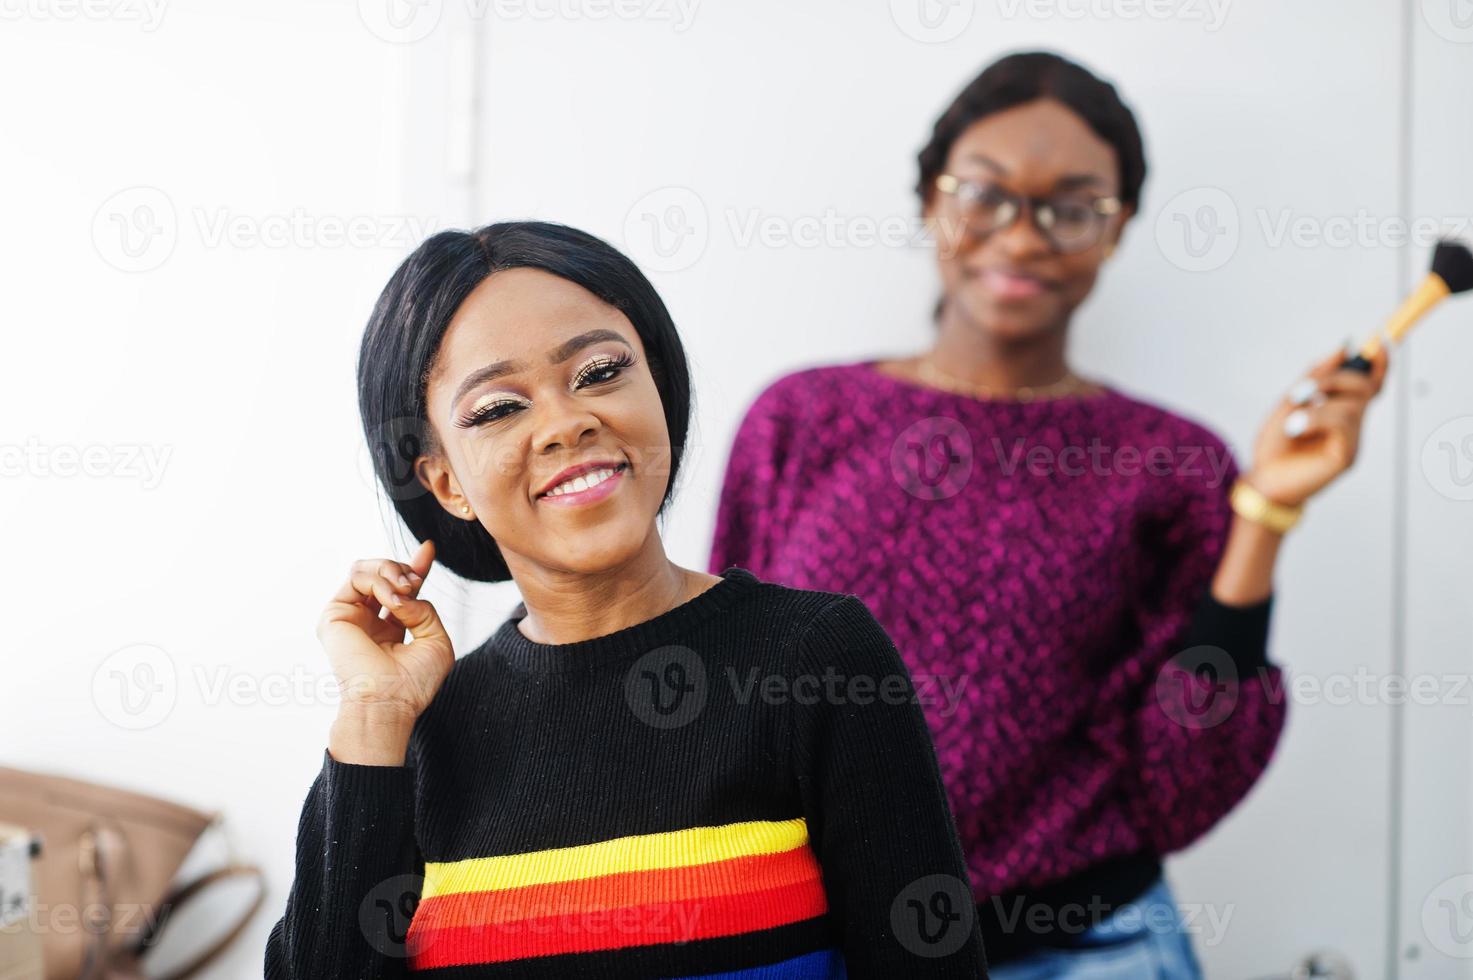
(1296, 424)
(404, 580)
(1303, 390)
(396, 600)
(416, 576)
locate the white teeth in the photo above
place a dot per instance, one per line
(580, 483)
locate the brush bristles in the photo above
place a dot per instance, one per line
(1453, 263)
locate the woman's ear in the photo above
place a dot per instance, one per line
(434, 474)
(1117, 228)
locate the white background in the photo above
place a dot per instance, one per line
(180, 305)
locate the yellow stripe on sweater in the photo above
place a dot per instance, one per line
(644, 852)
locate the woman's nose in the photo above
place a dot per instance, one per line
(563, 422)
(1021, 236)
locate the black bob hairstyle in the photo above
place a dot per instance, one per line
(403, 337)
(1018, 78)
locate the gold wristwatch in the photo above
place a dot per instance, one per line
(1250, 504)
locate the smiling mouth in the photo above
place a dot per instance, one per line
(1007, 285)
(586, 487)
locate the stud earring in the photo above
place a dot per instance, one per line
(464, 509)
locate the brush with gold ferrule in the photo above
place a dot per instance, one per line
(1452, 272)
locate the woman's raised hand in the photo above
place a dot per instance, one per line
(386, 682)
(1313, 434)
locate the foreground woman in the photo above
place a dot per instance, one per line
(643, 772)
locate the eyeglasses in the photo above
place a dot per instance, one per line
(1068, 222)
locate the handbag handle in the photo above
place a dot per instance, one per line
(182, 894)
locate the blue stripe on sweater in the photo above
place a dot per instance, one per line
(826, 964)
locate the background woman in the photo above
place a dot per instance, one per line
(1047, 549)
(623, 779)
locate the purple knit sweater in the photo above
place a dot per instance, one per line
(1037, 565)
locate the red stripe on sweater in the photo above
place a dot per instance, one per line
(636, 925)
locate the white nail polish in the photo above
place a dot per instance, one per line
(1296, 424)
(1304, 389)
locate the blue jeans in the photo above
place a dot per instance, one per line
(1144, 940)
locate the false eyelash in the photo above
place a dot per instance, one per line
(615, 363)
(484, 414)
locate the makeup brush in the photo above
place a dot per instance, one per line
(1452, 272)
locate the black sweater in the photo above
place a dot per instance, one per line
(742, 786)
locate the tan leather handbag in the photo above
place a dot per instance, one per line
(104, 876)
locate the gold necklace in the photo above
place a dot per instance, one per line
(1068, 384)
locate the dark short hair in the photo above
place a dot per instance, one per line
(403, 337)
(1023, 77)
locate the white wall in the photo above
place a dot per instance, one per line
(230, 360)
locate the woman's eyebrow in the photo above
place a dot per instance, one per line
(1067, 182)
(557, 355)
(568, 348)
